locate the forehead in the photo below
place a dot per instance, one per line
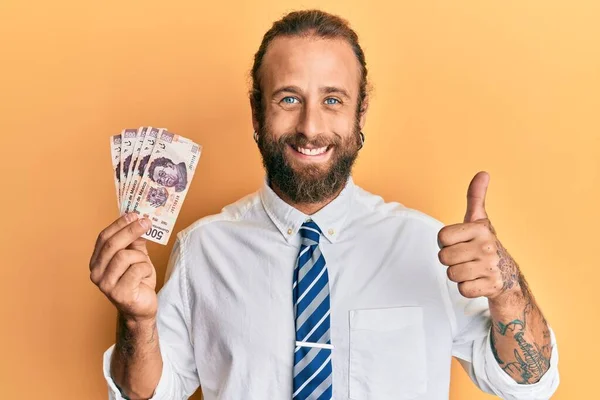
(309, 63)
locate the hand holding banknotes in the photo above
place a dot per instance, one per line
(121, 268)
(152, 172)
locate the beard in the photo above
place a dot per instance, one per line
(310, 183)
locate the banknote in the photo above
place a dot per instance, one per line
(141, 134)
(115, 152)
(165, 183)
(128, 139)
(137, 172)
(153, 170)
(164, 138)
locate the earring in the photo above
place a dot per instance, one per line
(255, 136)
(362, 140)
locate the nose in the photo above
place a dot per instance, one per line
(311, 122)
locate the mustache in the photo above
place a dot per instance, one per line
(299, 140)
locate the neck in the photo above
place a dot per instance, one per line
(306, 208)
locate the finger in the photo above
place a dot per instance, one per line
(458, 254)
(140, 245)
(458, 233)
(117, 266)
(475, 288)
(466, 271)
(110, 230)
(120, 240)
(476, 197)
(130, 281)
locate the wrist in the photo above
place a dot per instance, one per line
(508, 303)
(134, 335)
(133, 323)
(133, 332)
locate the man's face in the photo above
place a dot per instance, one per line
(166, 175)
(309, 136)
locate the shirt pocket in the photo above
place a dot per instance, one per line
(387, 354)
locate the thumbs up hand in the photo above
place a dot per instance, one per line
(476, 259)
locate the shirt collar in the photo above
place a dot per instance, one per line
(288, 219)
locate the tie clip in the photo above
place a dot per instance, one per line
(310, 344)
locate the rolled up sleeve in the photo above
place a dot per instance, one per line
(472, 346)
(166, 386)
(487, 371)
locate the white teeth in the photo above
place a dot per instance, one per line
(312, 152)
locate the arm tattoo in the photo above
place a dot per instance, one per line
(531, 351)
(530, 360)
(508, 268)
(507, 265)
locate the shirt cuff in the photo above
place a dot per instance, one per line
(162, 392)
(508, 389)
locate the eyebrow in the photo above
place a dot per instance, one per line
(323, 90)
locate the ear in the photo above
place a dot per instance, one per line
(255, 124)
(363, 112)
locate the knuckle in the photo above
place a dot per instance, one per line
(110, 245)
(463, 289)
(120, 257)
(451, 272)
(442, 254)
(102, 236)
(469, 290)
(104, 287)
(488, 248)
(95, 277)
(443, 236)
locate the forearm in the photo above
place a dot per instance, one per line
(136, 364)
(520, 338)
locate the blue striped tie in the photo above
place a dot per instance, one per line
(312, 357)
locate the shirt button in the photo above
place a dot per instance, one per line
(290, 231)
(331, 231)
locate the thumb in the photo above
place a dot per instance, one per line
(139, 244)
(476, 197)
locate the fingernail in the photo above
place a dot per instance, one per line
(145, 223)
(130, 217)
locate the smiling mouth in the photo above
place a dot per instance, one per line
(317, 151)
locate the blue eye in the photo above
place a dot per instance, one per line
(289, 100)
(335, 101)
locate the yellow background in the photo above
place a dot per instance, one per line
(511, 87)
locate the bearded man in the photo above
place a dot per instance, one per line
(313, 288)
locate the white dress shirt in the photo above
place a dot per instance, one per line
(226, 321)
